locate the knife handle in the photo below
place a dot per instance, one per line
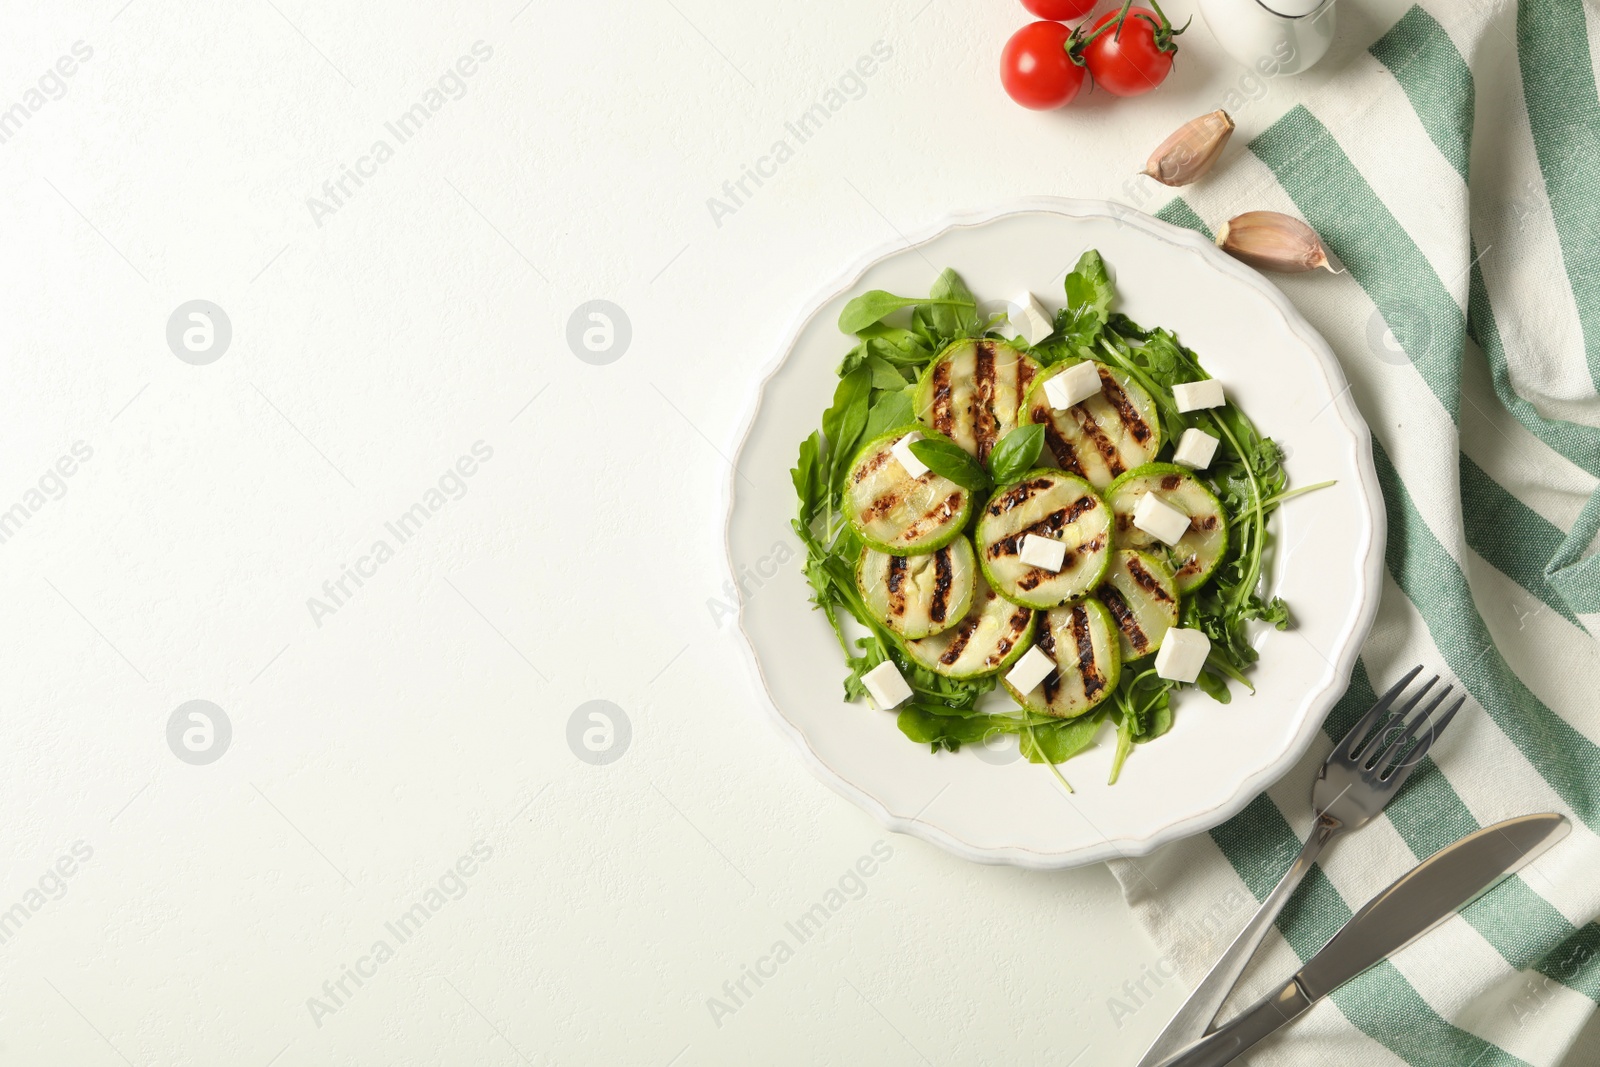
(1194, 1019)
(1230, 1040)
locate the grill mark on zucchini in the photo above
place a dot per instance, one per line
(1019, 622)
(941, 585)
(881, 505)
(1094, 544)
(1088, 666)
(943, 420)
(1024, 379)
(1171, 481)
(1050, 526)
(936, 516)
(1147, 582)
(1123, 614)
(1125, 410)
(1097, 437)
(872, 464)
(958, 643)
(895, 582)
(984, 423)
(1018, 495)
(1052, 681)
(1059, 446)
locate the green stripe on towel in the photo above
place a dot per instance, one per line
(1436, 80)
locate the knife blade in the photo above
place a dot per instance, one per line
(1417, 902)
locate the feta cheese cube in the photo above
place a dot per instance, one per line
(1160, 519)
(1033, 668)
(885, 685)
(1183, 652)
(1192, 396)
(1046, 553)
(1029, 318)
(904, 456)
(1196, 449)
(1073, 385)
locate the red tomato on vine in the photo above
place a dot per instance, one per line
(1130, 52)
(1060, 10)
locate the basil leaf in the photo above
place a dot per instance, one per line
(952, 461)
(955, 310)
(1016, 453)
(874, 304)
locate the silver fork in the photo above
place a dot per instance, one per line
(1361, 774)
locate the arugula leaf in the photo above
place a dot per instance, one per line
(889, 411)
(896, 345)
(1060, 739)
(1214, 687)
(807, 477)
(884, 374)
(952, 461)
(874, 305)
(1016, 453)
(1088, 285)
(926, 725)
(843, 422)
(1089, 295)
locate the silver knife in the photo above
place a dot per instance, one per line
(1422, 899)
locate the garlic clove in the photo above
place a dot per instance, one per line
(1271, 240)
(1188, 154)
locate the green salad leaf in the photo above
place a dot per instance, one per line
(1016, 453)
(875, 305)
(890, 409)
(952, 461)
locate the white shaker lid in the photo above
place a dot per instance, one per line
(1293, 9)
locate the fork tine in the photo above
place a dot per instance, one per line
(1404, 771)
(1400, 752)
(1380, 747)
(1352, 740)
(1444, 720)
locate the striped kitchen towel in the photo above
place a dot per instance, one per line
(1453, 167)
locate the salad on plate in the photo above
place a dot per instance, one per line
(1034, 524)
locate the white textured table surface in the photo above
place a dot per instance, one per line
(394, 855)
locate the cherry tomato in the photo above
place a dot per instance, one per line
(1060, 10)
(1037, 70)
(1135, 59)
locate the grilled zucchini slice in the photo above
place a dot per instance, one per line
(1142, 597)
(990, 638)
(1082, 640)
(917, 596)
(1098, 439)
(1049, 503)
(896, 513)
(972, 393)
(1198, 551)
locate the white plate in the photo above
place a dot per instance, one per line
(989, 805)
